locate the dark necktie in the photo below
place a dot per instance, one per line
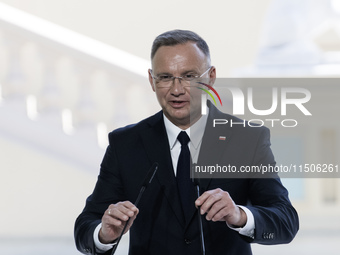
(185, 186)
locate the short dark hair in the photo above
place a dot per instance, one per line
(174, 37)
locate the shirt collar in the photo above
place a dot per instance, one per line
(195, 130)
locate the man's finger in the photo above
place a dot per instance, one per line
(209, 203)
(122, 211)
(199, 201)
(220, 213)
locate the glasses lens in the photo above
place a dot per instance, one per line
(189, 77)
(165, 78)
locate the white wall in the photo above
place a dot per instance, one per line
(231, 28)
(35, 189)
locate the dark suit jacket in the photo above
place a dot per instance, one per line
(160, 227)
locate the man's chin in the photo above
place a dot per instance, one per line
(179, 118)
(183, 116)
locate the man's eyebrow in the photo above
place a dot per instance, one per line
(182, 73)
(164, 73)
(189, 71)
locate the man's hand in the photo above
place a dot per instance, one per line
(219, 206)
(114, 219)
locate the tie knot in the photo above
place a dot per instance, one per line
(183, 138)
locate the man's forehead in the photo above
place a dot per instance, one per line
(186, 55)
(188, 47)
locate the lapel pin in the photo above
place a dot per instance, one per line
(222, 138)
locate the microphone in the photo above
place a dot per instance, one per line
(200, 224)
(148, 179)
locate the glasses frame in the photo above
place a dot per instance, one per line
(180, 78)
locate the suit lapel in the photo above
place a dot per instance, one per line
(156, 144)
(214, 142)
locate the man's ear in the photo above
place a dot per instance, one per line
(212, 76)
(151, 80)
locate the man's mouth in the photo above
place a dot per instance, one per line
(178, 103)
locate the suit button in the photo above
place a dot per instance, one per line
(268, 236)
(187, 241)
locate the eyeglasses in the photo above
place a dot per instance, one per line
(165, 81)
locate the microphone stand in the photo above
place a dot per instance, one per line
(127, 222)
(147, 181)
(200, 224)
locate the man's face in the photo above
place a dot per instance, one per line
(175, 99)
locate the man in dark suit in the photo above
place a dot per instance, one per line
(237, 211)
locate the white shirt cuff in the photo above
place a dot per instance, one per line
(100, 247)
(249, 228)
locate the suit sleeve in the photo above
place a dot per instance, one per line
(276, 220)
(108, 190)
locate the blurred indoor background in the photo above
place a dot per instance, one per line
(73, 70)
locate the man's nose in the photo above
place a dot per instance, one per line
(177, 86)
